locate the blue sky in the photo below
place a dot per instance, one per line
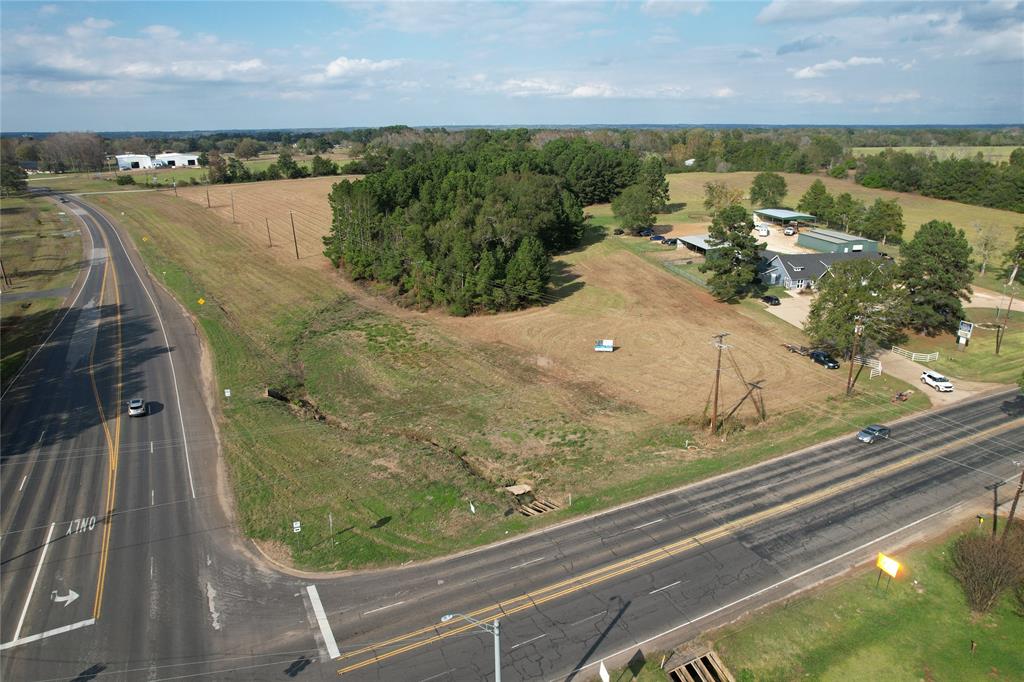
(214, 65)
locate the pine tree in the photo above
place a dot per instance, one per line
(884, 221)
(936, 270)
(734, 254)
(527, 272)
(816, 201)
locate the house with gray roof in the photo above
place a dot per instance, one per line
(802, 270)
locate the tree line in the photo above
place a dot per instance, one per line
(472, 226)
(968, 180)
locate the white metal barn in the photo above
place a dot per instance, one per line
(131, 161)
(176, 160)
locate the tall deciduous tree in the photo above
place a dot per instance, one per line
(216, 168)
(734, 256)
(848, 213)
(863, 289)
(768, 190)
(1015, 256)
(248, 148)
(936, 270)
(816, 201)
(987, 244)
(718, 196)
(884, 221)
(634, 208)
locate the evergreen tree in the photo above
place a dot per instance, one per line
(848, 213)
(734, 255)
(816, 201)
(884, 221)
(527, 273)
(13, 178)
(652, 179)
(936, 270)
(768, 190)
(634, 208)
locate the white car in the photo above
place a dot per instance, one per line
(936, 381)
(136, 407)
(789, 231)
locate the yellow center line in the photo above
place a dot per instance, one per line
(113, 441)
(567, 587)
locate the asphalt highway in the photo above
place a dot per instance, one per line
(125, 514)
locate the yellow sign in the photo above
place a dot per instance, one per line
(888, 565)
(201, 301)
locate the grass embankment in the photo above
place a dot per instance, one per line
(688, 189)
(418, 422)
(978, 362)
(992, 154)
(918, 629)
(42, 251)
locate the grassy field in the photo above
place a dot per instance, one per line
(688, 189)
(42, 250)
(399, 419)
(978, 362)
(918, 629)
(998, 154)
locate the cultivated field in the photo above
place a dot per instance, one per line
(421, 412)
(997, 154)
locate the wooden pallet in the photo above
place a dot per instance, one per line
(537, 507)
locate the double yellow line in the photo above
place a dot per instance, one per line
(113, 441)
(433, 633)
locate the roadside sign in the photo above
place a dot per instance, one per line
(296, 526)
(887, 565)
(965, 330)
(227, 392)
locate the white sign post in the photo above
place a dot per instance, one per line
(603, 673)
(296, 526)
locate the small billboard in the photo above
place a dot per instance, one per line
(965, 330)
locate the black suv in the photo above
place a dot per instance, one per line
(771, 300)
(824, 359)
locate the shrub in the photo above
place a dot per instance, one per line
(986, 567)
(125, 180)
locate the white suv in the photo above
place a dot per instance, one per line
(936, 381)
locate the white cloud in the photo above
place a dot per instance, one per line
(899, 98)
(343, 67)
(48, 10)
(802, 10)
(722, 93)
(160, 32)
(530, 87)
(664, 36)
(814, 97)
(819, 70)
(89, 27)
(672, 8)
(593, 90)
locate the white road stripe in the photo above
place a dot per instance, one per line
(534, 639)
(32, 587)
(22, 483)
(527, 563)
(321, 620)
(649, 523)
(434, 677)
(666, 587)
(397, 603)
(584, 620)
(49, 633)
(152, 498)
(151, 447)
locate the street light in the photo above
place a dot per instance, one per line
(491, 628)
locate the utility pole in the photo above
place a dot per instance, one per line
(270, 242)
(207, 197)
(295, 239)
(995, 503)
(233, 208)
(720, 345)
(1013, 507)
(858, 329)
(3, 273)
(1001, 330)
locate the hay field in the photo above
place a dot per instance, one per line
(993, 154)
(276, 203)
(688, 188)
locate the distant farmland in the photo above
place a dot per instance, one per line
(991, 154)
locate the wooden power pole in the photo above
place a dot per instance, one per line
(858, 328)
(1013, 506)
(720, 345)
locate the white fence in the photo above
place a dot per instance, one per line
(916, 357)
(874, 364)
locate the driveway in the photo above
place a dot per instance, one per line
(793, 308)
(986, 298)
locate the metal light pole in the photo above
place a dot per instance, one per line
(491, 628)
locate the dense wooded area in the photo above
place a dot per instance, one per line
(472, 226)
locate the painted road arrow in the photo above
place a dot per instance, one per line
(67, 598)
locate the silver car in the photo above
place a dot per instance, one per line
(136, 407)
(873, 433)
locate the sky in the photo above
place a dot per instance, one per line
(111, 66)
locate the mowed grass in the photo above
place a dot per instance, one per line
(993, 154)
(918, 629)
(688, 188)
(42, 250)
(398, 422)
(978, 361)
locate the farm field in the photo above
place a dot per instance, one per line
(995, 154)
(920, 628)
(42, 251)
(428, 412)
(688, 188)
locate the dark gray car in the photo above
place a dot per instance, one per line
(873, 433)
